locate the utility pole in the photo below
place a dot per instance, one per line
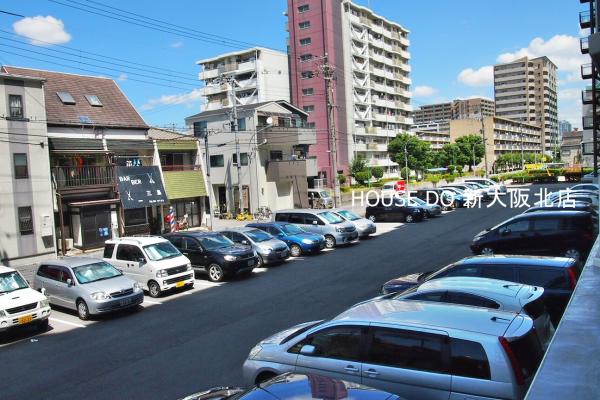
(234, 127)
(327, 71)
(484, 147)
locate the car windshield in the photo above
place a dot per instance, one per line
(331, 217)
(455, 190)
(213, 242)
(11, 281)
(349, 215)
(291, 229)
(258, 236)
(324, 194)
(95, 272)
(161, 251)
(418, 201)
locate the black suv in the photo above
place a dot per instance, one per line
(214, 254)
(552, 233)
(392, 209)
(557, 275)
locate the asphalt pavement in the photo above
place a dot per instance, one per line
(195, 340)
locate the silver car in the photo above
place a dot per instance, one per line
(269, 249)
(430, 210)
(364, 226)
(89, 285)
(336, 230)
(417, 349)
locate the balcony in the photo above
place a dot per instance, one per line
(278, 170)
(210, 90)
(85, 177)
(585, 19)
(587, 96)
(584, 45)
(209, 74)
(587, 122)
(246, 66)
(290, 136)
(246, 84)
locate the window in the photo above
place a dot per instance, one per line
(469, 359)
(548, 278)
(65, 274)
(342, 343)
(276, 155)
(243, 157)
(311, 125)
(192, 244)
(305, 41)
(404, 349)
(432, 296)
(49, 271)
(304, 25)
(241, 124)
(546, 224)
(519, 226)
(282, 217)
(65, 97)
(15, 105)
(296, 219)
(200, 128)
(20, 162)
(529, 353)
(108, 250)
(470, 300)
(306, 57)
(93, 100)
(237, 237)
(127, 252)
(309, 109)
(306, 74)
(308, 92)
(217, 160)
(303, 8)
(311, 219)
(460, 270)
(25, 220)
(501, 272)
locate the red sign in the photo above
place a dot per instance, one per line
(400, 186)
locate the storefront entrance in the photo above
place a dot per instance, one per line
(95, 226)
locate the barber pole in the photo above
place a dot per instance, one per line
(172, 219)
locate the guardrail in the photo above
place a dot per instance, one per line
(72, 177)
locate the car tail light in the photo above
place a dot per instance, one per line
(572, 276)
(513, 360)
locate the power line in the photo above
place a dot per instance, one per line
(10, 13)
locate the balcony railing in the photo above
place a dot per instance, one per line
(587, 122)
(585, 19)
(587, 97)
(187, 167)
(586, 71)
(74, 177)
(584, 45)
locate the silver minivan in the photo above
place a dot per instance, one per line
(420, 350)
(335, 229)
(319, 198)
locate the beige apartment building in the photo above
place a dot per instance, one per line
(525, 90)
(501, 135)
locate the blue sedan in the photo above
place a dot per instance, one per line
(298, 240)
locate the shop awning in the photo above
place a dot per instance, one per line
(91, 203)
(184, 184)
(140, 187)
(129, 145)
(176, 145)
(73, 145)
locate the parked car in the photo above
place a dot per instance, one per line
(420, 350)
(586, 186)
(460, 198)
(483, 191)
(468, 194)
(364, 226)
(90, 286)
(20, 305)
(488, 293)
(393, 209)
(319, 198)
(497, 187)
(214, 254)
(334, 228)
(390, 189)
(570, 197)
(445, 199)
(269, 249)
(152, 261)
(575, 206)
(552, 233)
(430, 210)
(298, 240)
(556, 275)
(590, 178)
(292, 386)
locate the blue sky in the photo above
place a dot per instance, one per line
(453, 44)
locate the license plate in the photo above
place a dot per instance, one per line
(179, 284)
(125, 302)
(25, 319)
(250, 263)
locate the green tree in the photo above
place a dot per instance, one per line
(341, 179)
(377, 172)
(362, 177)
(358, 164)
(418, 152)
(405, 173)
(472, 148)
(451, 155)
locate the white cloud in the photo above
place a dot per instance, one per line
(569, 94)
(176, 45)
(122, 76)
(173, 99)
(424, 91)
(42, 31)
(483, 76)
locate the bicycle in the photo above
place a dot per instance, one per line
(263, 214)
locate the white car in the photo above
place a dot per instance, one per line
(500, 188)
(389, 189)
(152, 261)
(19, 304)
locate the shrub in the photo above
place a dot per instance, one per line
(362, 177)
(434, 179)
(341, 179)
(405, 173)
(377, 172)
(451, 169)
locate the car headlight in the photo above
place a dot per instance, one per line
(230, 258)
(2, 313)
(161, 273)
(188, 267)
(100, 296)
(254, 352)
(44, 303)
(340, 230)
(137, 287)
(307, 241)
(266, 250)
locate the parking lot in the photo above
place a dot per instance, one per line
(193, 340)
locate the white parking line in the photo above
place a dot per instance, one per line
(61, 321)
(152, 302)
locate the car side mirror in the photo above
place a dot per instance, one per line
(142, 260)
(504, 231)
(43, 291)
(245, 242)
(280, 234)
(307, 350)
(69, 282)
(314, 222)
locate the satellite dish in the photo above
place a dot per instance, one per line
(270, 121)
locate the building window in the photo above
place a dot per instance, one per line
(306, 57)
(25, 221)
(20, 162)
(308, 92)
(241, 124)
(303, 8)
(304, 25)
(15, 104)
(305, 41)
(65, 97)
(243, 157)
(306, 74)
(93, 100)
(311, 125)
(309, 109)
(217, 161)
(200, 128)
(276, 155)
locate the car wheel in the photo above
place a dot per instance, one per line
(43, 325)
(329, 241)
(154, 289)
(409, 218)
(295, 250)
(487, 251)
(573, 253)
(372, 218)
(83, 312)
(259, 261)
(264, 376)
(215, 273)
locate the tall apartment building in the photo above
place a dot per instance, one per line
(442, 113)
(372, 79)
(477, 107)
(260, 75)
(439, 113)
(525, 90)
